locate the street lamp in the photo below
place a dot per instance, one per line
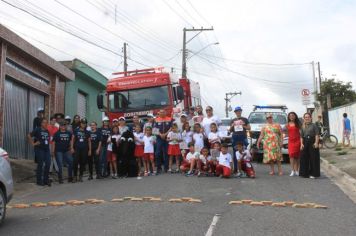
(211, 44)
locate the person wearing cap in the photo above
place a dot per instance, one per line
(271, 134)
(40, 138)
(150, 121)
(105, 134)
(67, 120)
(122, 125)
(81, 146)
(115, 123)
(61, 147)
(135, 121)
(182, 119)
(163, 125)
(238, 128)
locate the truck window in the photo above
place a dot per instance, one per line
(138, 99)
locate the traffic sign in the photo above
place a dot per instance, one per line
(305, 92)
(306, 98)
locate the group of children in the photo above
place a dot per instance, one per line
(192, 151)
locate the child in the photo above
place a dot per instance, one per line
(204, 161)
(223, 169)
(215, 153)
(113, 142)
(189, 162)
(241, 154)
(213, 136)
(173, 139)
(187, 137)
(148, 156)
(150, 121)
(198, 137)
(139, 146)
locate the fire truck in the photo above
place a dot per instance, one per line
(142, 92)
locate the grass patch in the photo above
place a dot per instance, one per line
(341, 153)
(338, 149)
(332, 162)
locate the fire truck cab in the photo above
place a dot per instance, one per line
(142, 92)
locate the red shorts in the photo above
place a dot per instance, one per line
(138, 151)
(110, 156)
(223, 170)
(185, 165)
(174, 150)
(148, 157)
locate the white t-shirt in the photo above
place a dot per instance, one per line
(191, 156)
(198, 141)
(187, 137)
(214, 137)
(244, 155)
(207, 122)
(148, 142)
(138, 138)
(204, 160)
(115, 136)
(225, 159)
(173, 138)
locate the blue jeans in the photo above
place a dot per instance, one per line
(43, 164)
(67, 158)
(103, 162)
(161, 151)
(235, 140)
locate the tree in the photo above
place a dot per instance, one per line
(340, 92)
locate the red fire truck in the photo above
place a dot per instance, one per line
(141, 92)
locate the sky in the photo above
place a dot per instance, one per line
(265, 48)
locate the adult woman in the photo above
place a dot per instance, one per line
(271, 134)
(209, 119)
(76, 122)
(293, 128)
(310, 156)
(198, 114)
(93, 159)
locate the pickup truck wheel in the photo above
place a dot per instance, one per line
(2, 206)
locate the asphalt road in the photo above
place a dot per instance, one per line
(165, 218)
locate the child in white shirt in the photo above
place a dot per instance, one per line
(139, 146)
(198, 137)
(204, 161)
(148, 156)
(241, 154)
(224, 167)
(113, 143)
(190, 161)
(173, 139)
(214, 136)
(187, 137)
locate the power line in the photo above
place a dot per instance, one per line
(186, 11)
(177, 13)
(201, 16)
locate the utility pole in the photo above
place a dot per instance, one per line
(185, 42)
(314, 82)
(125, 59)
(227, 99)
(319, 71)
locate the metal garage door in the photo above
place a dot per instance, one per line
(20, 108)
(82, 105)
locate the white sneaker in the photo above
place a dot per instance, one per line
(292, 173)
(312, 177)
(296, 173)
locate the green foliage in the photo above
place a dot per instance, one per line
(341, 93)
(338, 149)
(341, 153)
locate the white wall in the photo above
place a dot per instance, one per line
(335, 121)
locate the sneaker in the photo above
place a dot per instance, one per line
(190, 173)
(311, 177)
(145, 174)
(139, 177)
(291, 173)
(199, 173)
(243, 175)
(296, 173)
(169, 171)
(114, 177)
(238, 174)
(177, 170)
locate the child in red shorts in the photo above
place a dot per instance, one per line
(139, 146)
(215, 153)
(190, 161)
(203, 161)
(113, 142)
(148, 150)
(224, 167)
(173, 138)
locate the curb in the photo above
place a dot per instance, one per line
(343, 180)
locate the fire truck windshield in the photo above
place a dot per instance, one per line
(137, 99)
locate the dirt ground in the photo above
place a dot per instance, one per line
(343, 158)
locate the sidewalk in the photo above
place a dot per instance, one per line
(340, 166)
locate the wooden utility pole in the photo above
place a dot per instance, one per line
(185, 42)
(125, 59)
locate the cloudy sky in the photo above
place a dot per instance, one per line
(265, 47)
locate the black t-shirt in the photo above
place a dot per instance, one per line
(36, 123)
(237, 128)
(95, 138)
(81, 138)
(41, 135)
(105, 134)
(62, 140)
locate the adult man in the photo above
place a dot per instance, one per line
(68, 120)
(182, 119)
(135, 121)
(238, 128)
(319, 123)
(346, 124)
(37, 120)
(163, 124)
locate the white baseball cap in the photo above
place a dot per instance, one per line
(40, 109)
(115, 120)
(122, 118)
(106, 118)
(67, 118)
